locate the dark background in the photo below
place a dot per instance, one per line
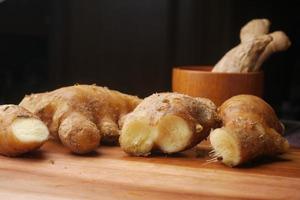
(132, 45)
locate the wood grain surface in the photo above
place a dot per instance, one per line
(54, 173)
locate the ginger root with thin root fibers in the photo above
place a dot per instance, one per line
(250, 129)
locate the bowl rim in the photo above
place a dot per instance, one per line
(207, 69)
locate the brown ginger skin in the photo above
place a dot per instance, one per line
(280, 42)
(242, 59)
(243, 107)
(168, 122)
(254, 28)
(259, 27)
(81, 115)
(250, 129)
(20, 131)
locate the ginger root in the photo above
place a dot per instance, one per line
(280, 42)
(168, 122)
(20, 131)
(254, 28)
(81, 115)
(251, 59)
(250, 129)
(243, 57)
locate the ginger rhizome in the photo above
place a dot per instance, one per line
(79, 116)
(168, 122)
(250, 129)
(20, 131)
(243, 57)
(256, 46)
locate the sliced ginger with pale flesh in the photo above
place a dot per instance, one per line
(168, 122)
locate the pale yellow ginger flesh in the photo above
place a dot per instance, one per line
(226, 147)
(29, 130)
(250, 130)
(174, 134)
(254, 48)
(140, 136)
(81, 116)
(167, 122)
(20, 131)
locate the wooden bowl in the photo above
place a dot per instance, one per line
(199, 81)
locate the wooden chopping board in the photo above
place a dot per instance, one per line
(54, 173)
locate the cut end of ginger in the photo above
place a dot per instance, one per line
(138, 137)
(174, 134)
(225, 147)
(168, 123)
(171, 134)
(28, 130)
